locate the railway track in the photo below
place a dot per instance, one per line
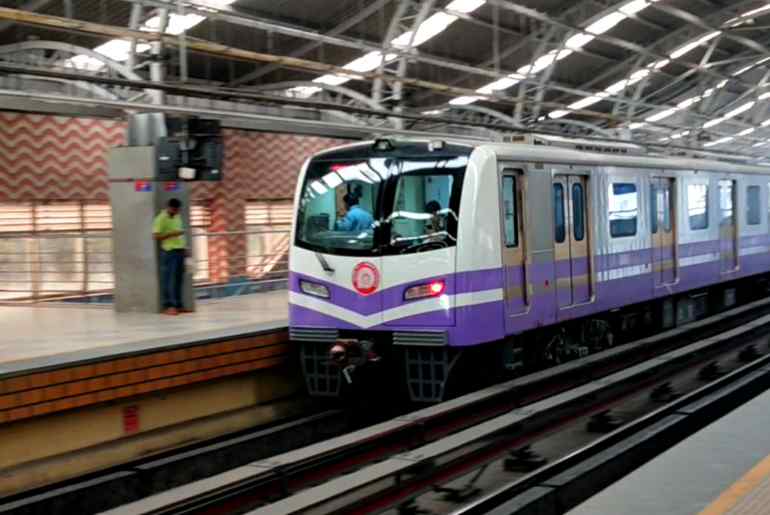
(407, 462)
(403, 464)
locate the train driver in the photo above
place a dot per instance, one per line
(435, 224)
(354, 218)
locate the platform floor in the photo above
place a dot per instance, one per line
(47, 335)
(724, 468)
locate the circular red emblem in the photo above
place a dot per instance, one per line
(366, 278)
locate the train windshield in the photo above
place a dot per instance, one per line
(380, 205)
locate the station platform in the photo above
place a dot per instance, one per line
(116, 387)
(723, 469)
(55, 357)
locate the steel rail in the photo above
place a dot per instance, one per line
(403, 476)
(695, 410)
(476, 416)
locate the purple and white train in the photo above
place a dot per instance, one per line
(548, 250)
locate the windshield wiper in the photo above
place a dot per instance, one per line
(324, 264)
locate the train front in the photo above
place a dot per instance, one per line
(372, 265)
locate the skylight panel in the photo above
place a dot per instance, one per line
(585, 102)
(689, 47)
(332, 80)
(119, 49)
(465, 100)
(719, 141)
(176, 23)
(504, 83)
(578, 41)
(689, 102)
(554, 115)
(303, 91)
(634, 7)
(84, 62)
(431, 27)
(742, 109)
(365, 63)
(661, 115)
(605, 23)
(465, 6)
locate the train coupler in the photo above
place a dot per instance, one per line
(350, 354)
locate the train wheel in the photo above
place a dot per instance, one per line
(596, 334)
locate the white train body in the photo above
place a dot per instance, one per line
(542, 235)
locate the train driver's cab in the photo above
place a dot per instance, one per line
(380, 205)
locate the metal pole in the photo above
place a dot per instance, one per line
(182, 45)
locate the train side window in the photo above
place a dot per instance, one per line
(666, 206)
(698, 206)
(653, 209)
(510, 218)
(623, 209)
(558, 213)
(752, 205)
(578, 211)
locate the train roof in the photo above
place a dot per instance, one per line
(554, 155)
(548, 154)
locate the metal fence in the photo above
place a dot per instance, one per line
(38, 266)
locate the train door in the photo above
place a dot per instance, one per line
(662, 216)
(514, 256)
(728, 255)
(573, 276)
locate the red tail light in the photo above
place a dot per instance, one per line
(431, 289)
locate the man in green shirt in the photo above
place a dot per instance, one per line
(168, 229)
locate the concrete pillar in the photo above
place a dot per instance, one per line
(136, 197)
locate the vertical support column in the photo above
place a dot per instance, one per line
(136, 197)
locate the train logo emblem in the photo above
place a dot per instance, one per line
(366, 278)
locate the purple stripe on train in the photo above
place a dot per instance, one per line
(540, 274)
(486, 322)
(461, 282)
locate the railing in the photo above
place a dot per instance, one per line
(42, 266)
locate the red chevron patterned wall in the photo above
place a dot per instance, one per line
(51, 157)
(59, 158)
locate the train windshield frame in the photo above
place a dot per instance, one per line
(380, 205)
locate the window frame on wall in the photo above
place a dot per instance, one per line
(268, 225)
(43, 225)
(200, 228)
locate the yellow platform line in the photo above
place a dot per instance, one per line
(740, 489)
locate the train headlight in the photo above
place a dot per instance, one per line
(431, 289)
(314, 289)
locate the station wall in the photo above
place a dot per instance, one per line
(53, 158)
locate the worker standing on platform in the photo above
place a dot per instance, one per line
(168, 229)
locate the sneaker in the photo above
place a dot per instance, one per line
(171, 312)
(184, 310)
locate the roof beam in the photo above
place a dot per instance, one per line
(32, 5)
(665, 45)
(348, 23)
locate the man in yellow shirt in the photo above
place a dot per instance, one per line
(168, 229)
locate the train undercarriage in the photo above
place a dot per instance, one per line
(375, 367)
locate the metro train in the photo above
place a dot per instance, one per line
(478, 258)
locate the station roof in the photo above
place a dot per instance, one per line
(678, 73)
